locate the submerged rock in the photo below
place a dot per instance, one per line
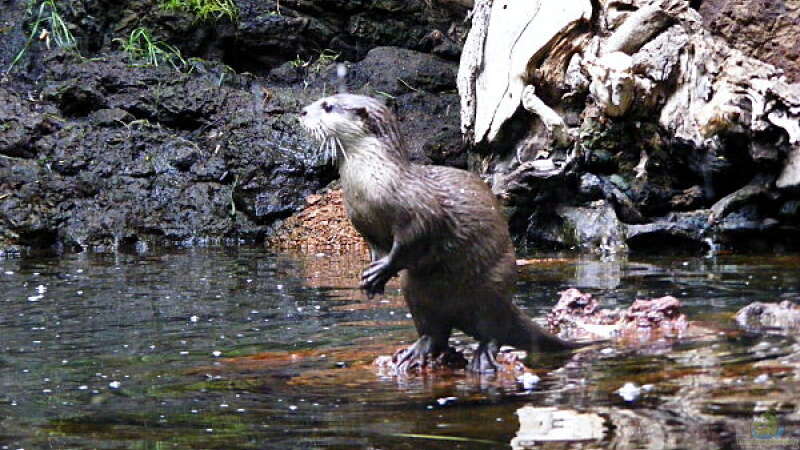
(784, 316)
(580, 314)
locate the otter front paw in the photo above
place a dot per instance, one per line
(375, 277)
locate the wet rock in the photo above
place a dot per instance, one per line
(186, 160)
(110, 117)
(757, 315)
(580, 314)
(685, 231)
(270, 32)
(594, 227)
(13, 31)
(661, 313)
(22, 122)
(397, 71)
(575, 307)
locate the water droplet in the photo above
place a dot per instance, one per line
(629, 392)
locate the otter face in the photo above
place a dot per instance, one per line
(341, 122)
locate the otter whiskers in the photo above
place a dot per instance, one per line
(330, 147)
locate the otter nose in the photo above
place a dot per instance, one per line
(304, 112)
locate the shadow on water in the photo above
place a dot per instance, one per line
(241, 348)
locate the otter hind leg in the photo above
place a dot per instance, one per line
(483, 361)
(430, 351)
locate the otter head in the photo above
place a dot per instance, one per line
(346, 124)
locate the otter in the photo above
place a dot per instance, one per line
(440, 228)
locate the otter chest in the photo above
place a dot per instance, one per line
(369, 199)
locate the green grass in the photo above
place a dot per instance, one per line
(48, 26)
(204, 10)
(142, 47)
(325, 57)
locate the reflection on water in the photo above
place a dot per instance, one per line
(240, 348)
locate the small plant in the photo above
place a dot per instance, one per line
(141, 46)
(325, 57)
(53, 29)
(204, 9)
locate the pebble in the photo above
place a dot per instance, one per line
(629, 392)
(528, 380)
(446, 400)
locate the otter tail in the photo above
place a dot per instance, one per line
(532, 338)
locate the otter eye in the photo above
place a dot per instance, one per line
(327, 107)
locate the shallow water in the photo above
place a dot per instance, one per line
(240, 348)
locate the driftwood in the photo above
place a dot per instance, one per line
(514, 33)
(638, 61)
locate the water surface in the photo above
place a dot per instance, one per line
(241, 348)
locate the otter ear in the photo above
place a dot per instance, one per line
(361, 112)
(369, 121)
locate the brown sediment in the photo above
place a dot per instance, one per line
(342, 270)
(363, 353)
(322, 226)
(544, 262)
(370, 304)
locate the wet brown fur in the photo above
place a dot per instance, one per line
(440, 227)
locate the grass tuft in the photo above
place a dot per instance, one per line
(48, 26)
(141, 46)
(204, 10)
